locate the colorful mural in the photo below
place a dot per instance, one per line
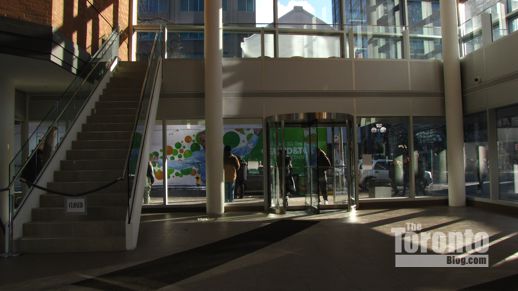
(185, 152)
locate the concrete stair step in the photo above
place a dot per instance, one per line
(94, 118)
(87, 175)
(131, 67)
(107, 164)
(81, 187)
(134, 81)
(76, 229)
(105, 135)
(115, 111)
(97, 154)
(118, 97)
(122, 90)
(72, 244)
(97, 126)
(117, 104)
(100, 144)
(92, 213)
(95, 199)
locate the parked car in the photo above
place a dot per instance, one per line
(380, 170)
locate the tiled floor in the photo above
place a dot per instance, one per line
(335, 250)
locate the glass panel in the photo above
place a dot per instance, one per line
(144, 44)
(185, 45)
(471, 44)
(476, 159)
(383, 157)
(316, 186)
(424, 24)
(507, 130)
(513, 24)
(241, 45)
(186, 162)
(430, 169)
(308, 46)
(378, 42)
(340, 157)
(248, 45)
(39, 148)
(309, 14)
(373, 12)
(512, 5)
(156, 158)
(273, 169)
(246, 143)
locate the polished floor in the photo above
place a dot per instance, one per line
(334, 250)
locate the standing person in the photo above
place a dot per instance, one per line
(231, 166)
(242, 175)
(323, 164)
(150, 179)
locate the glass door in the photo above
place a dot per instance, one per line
(310, 162)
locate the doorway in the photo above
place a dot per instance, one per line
(309, 162)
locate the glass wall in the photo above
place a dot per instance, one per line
(507, 136)
(319, 15)
(371, 28)
(383, 157)
(471, 12)
(476, 155)
(185, 45)
(144, 44)
(185, 154)
(430, 168)
(424, 23)
(308, 46)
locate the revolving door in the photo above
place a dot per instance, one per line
(309, 162)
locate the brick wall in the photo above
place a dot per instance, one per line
(75, 20)
(80, 22)
(35, 11)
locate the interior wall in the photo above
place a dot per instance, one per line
(490, 75)
(254, 88)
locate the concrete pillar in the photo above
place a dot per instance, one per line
(487, 29)
(453, 104)
(214, 107)
(6, 142)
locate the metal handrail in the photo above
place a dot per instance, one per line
(126, 171)
(107, 44)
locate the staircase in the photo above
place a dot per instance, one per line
(98, 156)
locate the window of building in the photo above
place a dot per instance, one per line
(507, 143)
(192, 5)
(430, 168)
(246, 5)
(153, 10)
(476, 165)
(512, 5)
(383, 157)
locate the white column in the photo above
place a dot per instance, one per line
(214, 107)
(453, 104)
(6, 142)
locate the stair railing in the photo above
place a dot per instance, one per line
(135, 154)
(31, 160)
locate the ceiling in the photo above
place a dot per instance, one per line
(33, 75)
